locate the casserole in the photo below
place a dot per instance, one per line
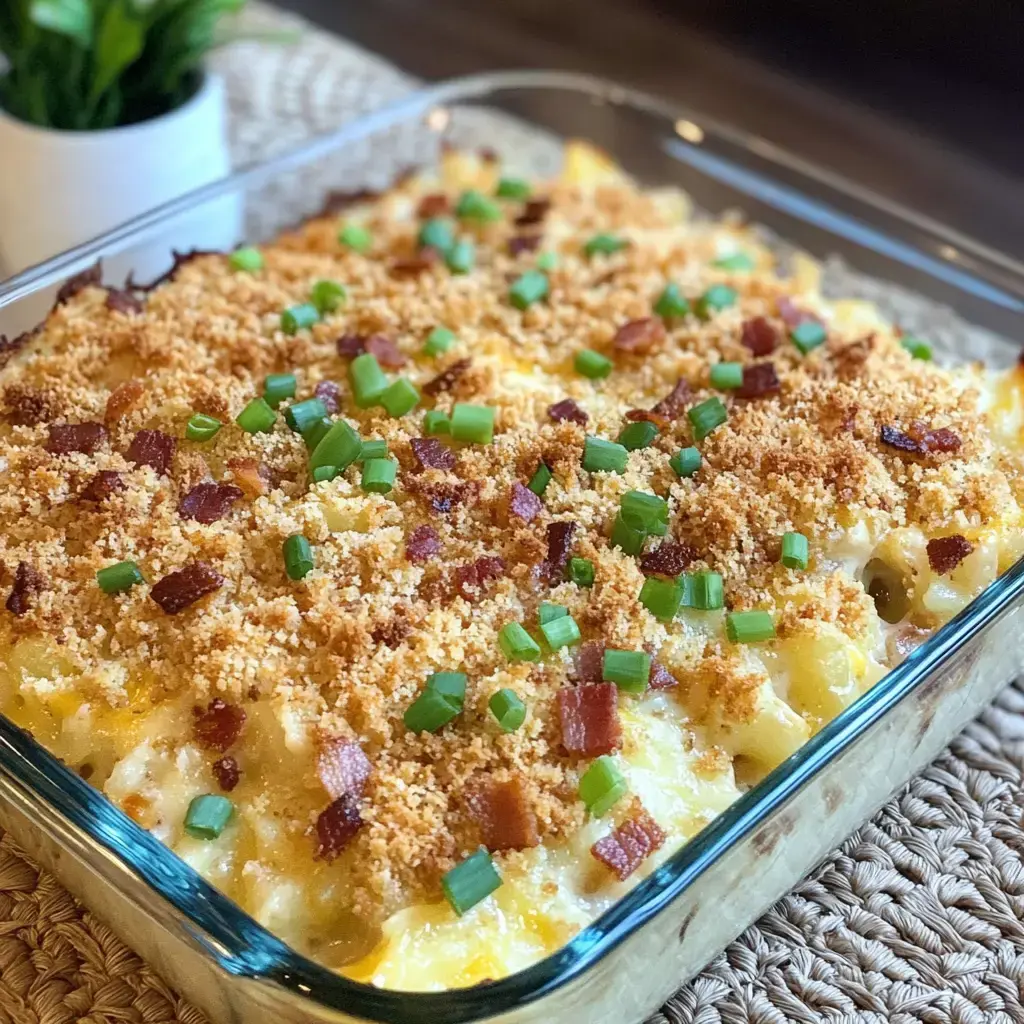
(244, 948)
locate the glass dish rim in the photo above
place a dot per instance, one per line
(233, 938)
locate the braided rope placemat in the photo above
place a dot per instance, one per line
(918, 918)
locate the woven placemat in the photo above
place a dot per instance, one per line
(917, 919)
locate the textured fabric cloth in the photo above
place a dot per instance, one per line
(918, 917)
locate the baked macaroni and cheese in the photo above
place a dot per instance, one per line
(428, 575)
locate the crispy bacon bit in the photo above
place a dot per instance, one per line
(660, 678)
(342, 767)
(896, 438)
(422, 544)
(649, 415)
(523, 503)
(946, 553)
(506, 819)
(336, 826)
(759, 335)
(590, 718)
(435, 205)
(630, 844)
(330, 394)
(227, 773)
(152, 448)
(65, 438)
(209, 502)
(102, 486)
(218, 725)
(252, 476)
(534, 212)
(350, 345)
(385, 351)
(560, 536)
(941, 440)
(413, 266)
(27, 583)
(675, 402)
(567, 409)
(430, 453)
(638, 337)
(667, 559)
(447, 378)
(73, 285)
(792, 315)
(122, 399)
(590, 662)
(523, 243)
(176, 591)
(471, 579)
(758, 380)
(28, 406)
(121, 300)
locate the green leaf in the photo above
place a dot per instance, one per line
(72, 18)
(118, 43)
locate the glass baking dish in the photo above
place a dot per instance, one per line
(966, 299)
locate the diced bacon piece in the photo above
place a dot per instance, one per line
(567, 409)
(385, 351)
(436, 204)
(660, 678)
(534, 212)
(413, 266)
(65, 438)
(218, 725)
(648, 415)
(503, 812)
(227, 773)
(330, 394)
(152, 448)
(430, 453)
(176, 591)
(422, 544)
(471, 579)
(941, 440)
(590, 662)
(675, 402)
(73, 285)
(667, 559)
(896, 438)
(342, 767)
(560, 535)
(337, 826)
(630, 844)
(946, 553)
(759, 335)
(350, 345)
(589, 716)
(523, 243)
(447, 378)
(638, 337)
(123, 399)
(759, 380)
(208, 502)
(28, 582)
(251, 475)
(102, 486)
(121, 300)
(523, 503)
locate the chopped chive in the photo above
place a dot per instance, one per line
(735, 261)
(439, 340)
(246, 258)
(314, 432)
(473, 423)
(208, 815)
(513, 188)
(375, 448)
(508, 709)
(327, 296)
(581, 572)
(301, 416)
(561, 632)
(671, 302)
(547, 612)
(547, 261)
(470, 882)
(917, 347)
(400, 397)
(517, 644)
(706, 591)
(277, 387)
(686, 461)
(716, 298)
(298, 556)
(601, 456)
(808, 335)
(661, 598)
(592, 364)
(795, 551)
(430, 710)
(367, 379)
(749, 627)
(629, 532)
(378, 475)
(436, 422)
(528, 288)
(450, 685)
(436, 233)
(540, 480)
(201, 427)
(602, 786)
(322, 473)
(652, 511)
(473, 205)
(461, 257)
(115, 579)
(706, 416)
(640, 434)
(356, 238)
(339, 447)
(299, 317)
(727, 376)
(628, 670)
(257, 417)
(604, 243)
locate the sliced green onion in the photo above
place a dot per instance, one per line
(629, 532)
(473, 205)
(661, 598)
(436, 422)
(314, 432)
(400, 397)
(808, 335)
(581, 572)
(640, 434)
(529, 288)
(735, 261)
(917, 347)
(540, 480)
(547, 612)
(796, 551)
(339, 447)
(298, 557)
(208, 815)
(378, 475)
(601, 456)
(299, 317)
(561, 632)
(513, 188)
(547, 261)
(302, 416)
(717, 297)
(628, 670)
(604, 243)
(201, 427)
(671, 302)
(115, 579)
(439, 340)
(508, 709)
(257, 417)
(367, 379)
(592, 364)
(706, 416)
(749, 627)
(473, 423)
(517, 644)
(327, 296)
(602, 786)
(727, 376)
(652, 510)
(430, 710)
(375, 448)
(451, 686)
(356, 237)
(686, 461)
(436, 233)
(246, 258)
(470, 882)
(277, 387)
(461, 257)
(322, 473)
(706, 591)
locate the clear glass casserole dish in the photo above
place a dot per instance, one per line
(641, 950)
